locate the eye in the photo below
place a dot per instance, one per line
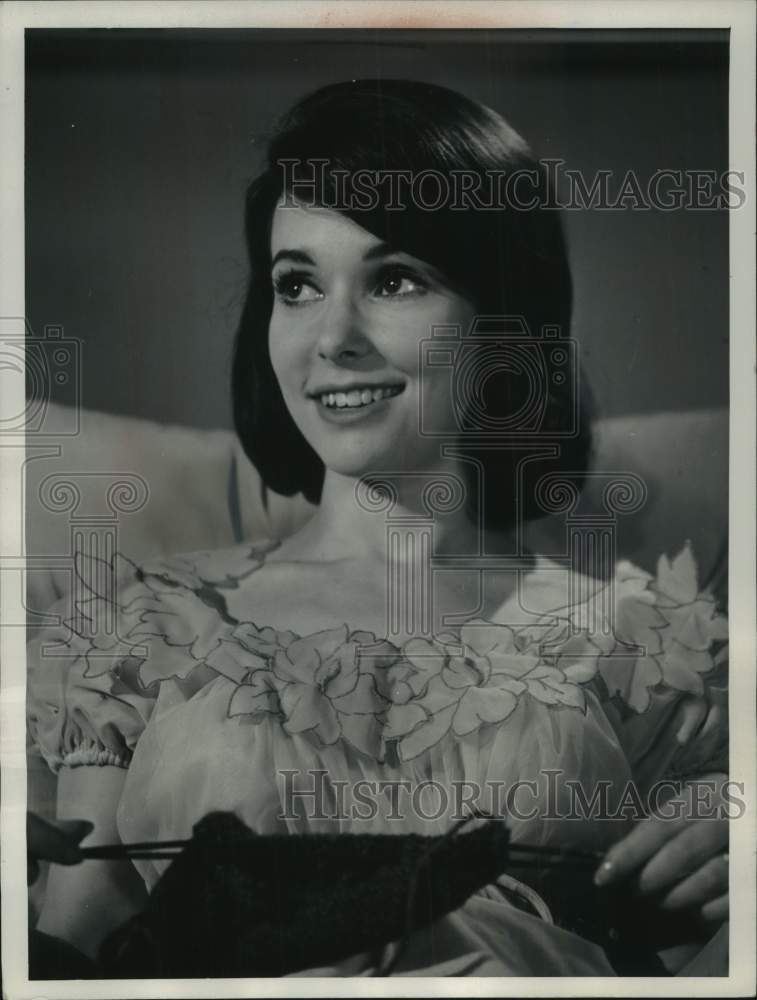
(397, 282)
(295, 288)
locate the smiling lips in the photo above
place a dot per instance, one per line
(357, 398)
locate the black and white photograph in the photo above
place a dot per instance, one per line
(378, 499)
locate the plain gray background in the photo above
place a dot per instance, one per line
(139, 146)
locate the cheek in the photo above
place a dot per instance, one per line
(405, 336)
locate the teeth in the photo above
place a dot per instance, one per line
(358, 397)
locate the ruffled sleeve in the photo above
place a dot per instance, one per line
(94, 679)
(86, 704)
(664, 652)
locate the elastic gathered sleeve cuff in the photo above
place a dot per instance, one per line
(90, 752)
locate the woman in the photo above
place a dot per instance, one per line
(233, 678)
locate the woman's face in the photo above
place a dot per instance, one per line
(348, 320)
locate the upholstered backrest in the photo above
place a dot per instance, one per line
(150, 489)
(679, 463)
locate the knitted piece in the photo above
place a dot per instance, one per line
(236, 903)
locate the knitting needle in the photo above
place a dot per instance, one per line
(172, 848)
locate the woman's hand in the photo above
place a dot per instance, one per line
(679, 856)
(48, 842)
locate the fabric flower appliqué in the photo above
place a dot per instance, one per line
(635, 636)
(654, 631)
(158, 629)
(444, 685)
(316, 685)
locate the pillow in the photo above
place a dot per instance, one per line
(145, 488)
(682, 460)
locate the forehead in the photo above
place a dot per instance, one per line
(315, 229)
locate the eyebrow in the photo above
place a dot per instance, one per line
(378, 250)
(298, 256)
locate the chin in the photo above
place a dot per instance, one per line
(359, 465)
(363, 462)
(363, 454)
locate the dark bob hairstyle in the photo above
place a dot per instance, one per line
(506, 254)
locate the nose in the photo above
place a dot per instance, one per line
(343, 336)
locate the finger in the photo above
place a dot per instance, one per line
(714, 721)
(690, 716)
(683, 855)
(75, 829)
(716, 910)
(53, 843)
(708, 883)
(630, 853)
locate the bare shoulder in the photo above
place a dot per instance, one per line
(547, 585)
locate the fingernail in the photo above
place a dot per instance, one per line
(604, 873)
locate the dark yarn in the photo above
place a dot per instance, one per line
(235, 903)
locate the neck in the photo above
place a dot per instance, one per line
(353, 516)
